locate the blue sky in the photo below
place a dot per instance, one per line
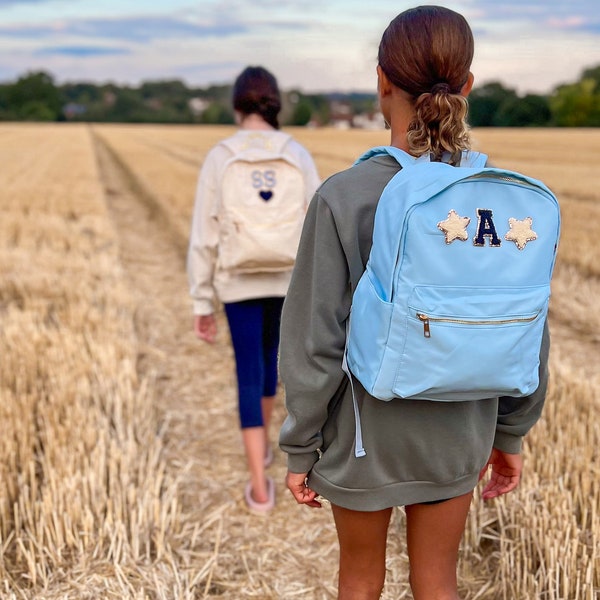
(313, 45)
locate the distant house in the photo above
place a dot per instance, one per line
(72, 110)
(154, 103)
(373, 120)
(340, 115)
(198, 105)
(109, 98)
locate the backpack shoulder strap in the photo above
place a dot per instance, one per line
(469, 158)
(257, 143)
(403, 158)
(473, 159)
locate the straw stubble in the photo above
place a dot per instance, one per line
(121, 460)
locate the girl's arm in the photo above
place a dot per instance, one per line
(205, 327)
(311, 176)
(204, 238)
(516, 416)
(313, 336)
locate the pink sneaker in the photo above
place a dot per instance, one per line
(260, 507)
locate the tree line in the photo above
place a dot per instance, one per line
(36, 97)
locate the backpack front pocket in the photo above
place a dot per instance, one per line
(491, 337)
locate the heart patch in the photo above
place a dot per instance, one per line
(266, 195)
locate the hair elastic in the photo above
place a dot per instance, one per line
(441, 87)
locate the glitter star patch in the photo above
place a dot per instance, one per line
(454, 227)
(520, 232)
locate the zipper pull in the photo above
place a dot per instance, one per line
(425, 320)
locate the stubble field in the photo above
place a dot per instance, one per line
(121, 467)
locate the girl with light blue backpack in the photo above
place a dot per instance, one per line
(426, 448)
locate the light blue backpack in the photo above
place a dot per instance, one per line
(454, 298)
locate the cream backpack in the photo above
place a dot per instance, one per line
(263, 203)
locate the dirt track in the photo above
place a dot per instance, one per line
(197, 401)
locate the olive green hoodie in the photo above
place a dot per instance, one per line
(417, 451)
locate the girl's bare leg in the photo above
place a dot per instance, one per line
(256, 440)
(433, 534)
(363, 539)
(267, 411)
(254, 445)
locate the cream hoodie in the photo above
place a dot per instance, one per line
(209, 283)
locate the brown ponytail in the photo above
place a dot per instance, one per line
(427, 52)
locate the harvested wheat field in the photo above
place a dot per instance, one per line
(121, 464)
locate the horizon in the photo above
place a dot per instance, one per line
(203, 87)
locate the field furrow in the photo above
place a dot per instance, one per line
(84, 496)
(195, 384)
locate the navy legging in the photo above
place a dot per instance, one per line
(254, 327)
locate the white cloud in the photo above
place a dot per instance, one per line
(531, 45)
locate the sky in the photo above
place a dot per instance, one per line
(312, 45)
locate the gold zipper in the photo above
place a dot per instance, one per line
(506, 178)
(426, 319)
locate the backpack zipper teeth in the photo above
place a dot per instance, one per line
(504, 178)
(426, 319)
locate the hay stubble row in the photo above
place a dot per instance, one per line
(121, 461)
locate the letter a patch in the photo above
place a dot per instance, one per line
(486, 228)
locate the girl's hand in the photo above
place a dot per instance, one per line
(296, 483)
(205, 327)
(506, 473)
